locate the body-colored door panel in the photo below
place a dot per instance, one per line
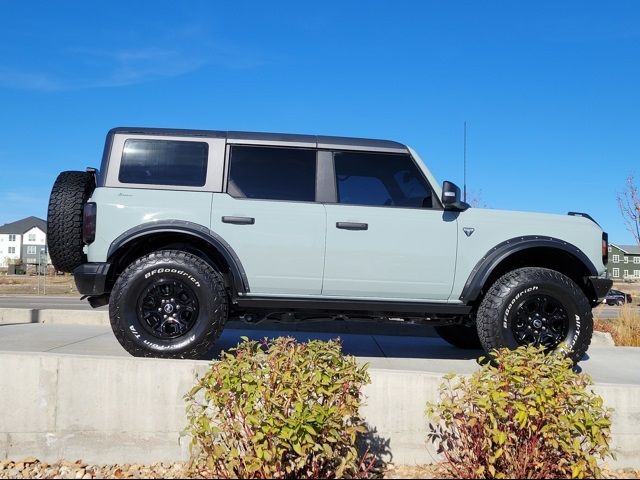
(403, 253)
(281, 249)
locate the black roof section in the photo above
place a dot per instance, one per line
(321, 141)
(22, 226)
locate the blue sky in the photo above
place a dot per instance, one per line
(550, 89)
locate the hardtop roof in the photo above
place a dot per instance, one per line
(320, 141)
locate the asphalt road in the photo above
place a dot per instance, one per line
(40, 302)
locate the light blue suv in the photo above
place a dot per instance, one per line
(180, 229)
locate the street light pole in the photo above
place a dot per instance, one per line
(43, 254)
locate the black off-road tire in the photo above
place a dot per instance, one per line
(70, 192)
(496, 315)
(202, 280)
(460, 336)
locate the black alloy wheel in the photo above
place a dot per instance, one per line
(168, 308)
(541, 321)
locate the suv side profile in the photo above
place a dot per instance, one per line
(181, 229)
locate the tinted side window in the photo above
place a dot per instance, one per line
(273, 173)
(380, 180)
(164, 162)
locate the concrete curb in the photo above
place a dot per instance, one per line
(12, 316)
(131, 410)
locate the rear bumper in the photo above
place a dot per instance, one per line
(91, 278)
(600, 286)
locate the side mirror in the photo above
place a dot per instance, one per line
(451, 198)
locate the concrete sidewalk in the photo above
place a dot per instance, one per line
(405, 353)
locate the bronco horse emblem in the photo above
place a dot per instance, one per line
(468, 231)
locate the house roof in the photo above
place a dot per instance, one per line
(629, 249)
(21, 226)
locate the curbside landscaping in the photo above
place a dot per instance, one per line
(130, 410)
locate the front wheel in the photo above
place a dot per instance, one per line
(536, 306)
(169, 304)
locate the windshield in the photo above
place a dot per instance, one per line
(437, 188)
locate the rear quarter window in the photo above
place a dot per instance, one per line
(164, 162)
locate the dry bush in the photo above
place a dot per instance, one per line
(279, 409)
(625, 329)
(523, 415)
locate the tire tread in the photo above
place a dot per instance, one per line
(213, 283)
(489, 313)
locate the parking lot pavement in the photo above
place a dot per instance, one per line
(606, 312)
(408, 353)
(42, 302)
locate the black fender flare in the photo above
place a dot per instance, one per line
(483, 269)
(238, 274)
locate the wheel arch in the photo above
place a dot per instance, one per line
(188, 236)
(533, 251)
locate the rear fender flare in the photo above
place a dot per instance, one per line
(238, 275)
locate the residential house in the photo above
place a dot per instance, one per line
(24, 240)
(624, 262)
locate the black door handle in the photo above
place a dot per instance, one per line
(239, 220)
(352, 226)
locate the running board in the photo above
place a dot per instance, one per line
(332, 304)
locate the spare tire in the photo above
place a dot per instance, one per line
(70, 192)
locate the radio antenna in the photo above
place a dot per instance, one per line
(465, 161)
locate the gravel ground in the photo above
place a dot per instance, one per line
(32, 468)
(436, 471)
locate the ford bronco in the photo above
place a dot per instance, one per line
(180, 229)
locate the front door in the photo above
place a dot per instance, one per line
(387, 236)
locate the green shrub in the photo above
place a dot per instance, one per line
(523, 415)
(279, 409)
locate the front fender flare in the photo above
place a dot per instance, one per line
(483, 269)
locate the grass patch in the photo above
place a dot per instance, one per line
(625, 329)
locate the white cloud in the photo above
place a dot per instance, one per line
(171, 54)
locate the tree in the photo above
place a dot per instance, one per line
(629, 204)
(475, 199)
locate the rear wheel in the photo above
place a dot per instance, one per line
(70, 192)
(536, 306)
(460, 336)
(169, 304)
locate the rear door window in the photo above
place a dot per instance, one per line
(164, 162)
(272, 173)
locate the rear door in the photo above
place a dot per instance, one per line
(387, 235)
(269, 216)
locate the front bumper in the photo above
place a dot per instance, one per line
(91, 278)
(600, 287)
